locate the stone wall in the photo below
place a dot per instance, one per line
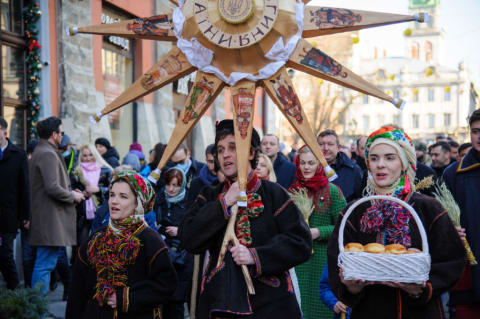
(78, 97)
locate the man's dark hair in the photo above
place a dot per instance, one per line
(453, 144)
(183, 147)
(329, 132)
(159, 150)
(225, 128)
(210, 150)
(46, 127)
(444, 145)
(475, 116)
(463, 147)
(3, 123)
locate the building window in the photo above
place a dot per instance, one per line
(396, 93)
(447, 96)
(415, 50)
(428, 51)
(431, 94)
(431, 120)
(447, 119)
(13, 70)
(396, 120)
(415, 121)
(365, 99)
(416, 95)
(381, 74)
(366, 122)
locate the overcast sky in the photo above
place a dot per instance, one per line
(460, 20)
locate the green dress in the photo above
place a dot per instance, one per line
(331, 203)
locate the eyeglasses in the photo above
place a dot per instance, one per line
(61, 133)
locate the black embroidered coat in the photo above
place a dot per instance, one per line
(280, 241)
(379, 301)
(151, 281)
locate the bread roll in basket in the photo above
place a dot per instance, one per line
(408, 268)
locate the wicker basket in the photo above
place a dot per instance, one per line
(408, 268)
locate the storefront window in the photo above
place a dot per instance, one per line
(15, 117)
(117, 70)
(11, 15)
(13, 72)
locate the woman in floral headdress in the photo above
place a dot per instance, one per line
(328, 201)
(124, 270)
(391, 163)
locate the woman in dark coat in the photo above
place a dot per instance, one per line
(124, 270)
(391, 163)
(171, 208)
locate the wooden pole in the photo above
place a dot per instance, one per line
(243, 100)
(320, 21)
(281, 90)
(204, 91)
(311, 60)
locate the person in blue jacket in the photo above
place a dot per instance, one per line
(329, 299)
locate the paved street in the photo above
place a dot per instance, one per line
(56, 306)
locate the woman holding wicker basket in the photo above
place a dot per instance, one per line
(418, 225)
(321, 203)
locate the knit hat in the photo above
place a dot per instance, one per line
(133, 161)
(65, 141)
(141, 188)
(403, 144)
(135, 146)
(103, 141)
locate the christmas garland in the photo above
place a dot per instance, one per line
(31, 15)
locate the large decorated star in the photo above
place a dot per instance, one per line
(244, 44)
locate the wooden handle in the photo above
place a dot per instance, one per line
(230, 237)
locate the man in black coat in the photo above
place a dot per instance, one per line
(463, 180)
(273, 237)
(14, 202)
(108, 152)
(284, 170)
(350, 175)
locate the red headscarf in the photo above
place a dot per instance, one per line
(313, 184)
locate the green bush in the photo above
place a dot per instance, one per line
(22, 303)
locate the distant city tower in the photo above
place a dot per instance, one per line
(427, 39)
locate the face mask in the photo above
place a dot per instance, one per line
(66, 153)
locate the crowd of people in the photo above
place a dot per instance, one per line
(149, 250)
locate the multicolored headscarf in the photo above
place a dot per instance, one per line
(406, 151)
(389, 220)
(141, 188)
